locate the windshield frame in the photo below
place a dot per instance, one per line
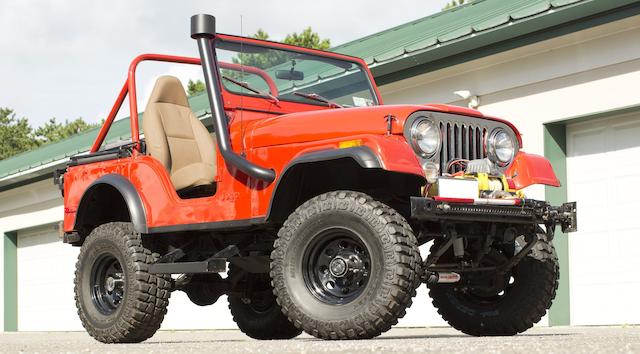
(375, 93)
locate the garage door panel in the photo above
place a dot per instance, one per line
(593, 205)
(616, 311)
(587, 253)
(588, 167)
(625, 135)
(603, 176)
(626, 191)
(590, 141)
(45, 282)
(624, 250)
(622, 218)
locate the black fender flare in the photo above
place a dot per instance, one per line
(129, 194)
(364, 156)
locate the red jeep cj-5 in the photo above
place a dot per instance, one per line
(313, 197)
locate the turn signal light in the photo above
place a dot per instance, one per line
(349, 143)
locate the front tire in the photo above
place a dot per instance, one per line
(118, 300)
(522, 300)
(345, 266)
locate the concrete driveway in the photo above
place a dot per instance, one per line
(401, 340)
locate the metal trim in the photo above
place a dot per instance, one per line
(555, 147)
(10, 260)
(209, 226)
(491, 149)
(414, 142)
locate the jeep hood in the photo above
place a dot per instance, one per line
(341, 122)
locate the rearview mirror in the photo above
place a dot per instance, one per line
(292, 75)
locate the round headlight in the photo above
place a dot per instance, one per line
(501, 147)
(425, 137)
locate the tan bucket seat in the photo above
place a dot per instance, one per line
(177, 138)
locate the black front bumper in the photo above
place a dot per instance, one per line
(529, 211)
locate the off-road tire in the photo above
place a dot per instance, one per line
(536, 281)
(263, 320)
(146, 296)
(394, 276)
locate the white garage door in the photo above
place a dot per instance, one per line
(45, 282)
(603, 167)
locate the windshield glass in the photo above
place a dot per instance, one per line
(292, 76)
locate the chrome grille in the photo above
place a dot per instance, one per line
(461, 141)
(462, 137)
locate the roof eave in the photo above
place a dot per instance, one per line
(540, 27)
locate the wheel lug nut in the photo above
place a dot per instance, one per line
(338, 267)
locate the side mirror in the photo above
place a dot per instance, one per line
(291, 75)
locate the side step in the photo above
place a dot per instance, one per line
(215, 264)
(211, 265)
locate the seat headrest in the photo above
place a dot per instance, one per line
(168, 89)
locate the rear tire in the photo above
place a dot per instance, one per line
(257, 314)
(345, 266)
(118, 300)
(529, 292)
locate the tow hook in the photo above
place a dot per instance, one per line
(565, 215)
(440, 277)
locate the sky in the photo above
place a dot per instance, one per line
(68, 59)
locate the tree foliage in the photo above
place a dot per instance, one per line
(17, 135)
(455, 3)
(307, 38)
(53, 130)
(195, 87)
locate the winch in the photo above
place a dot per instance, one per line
(480, 188)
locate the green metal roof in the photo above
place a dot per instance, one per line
(439, 40)
(480, 23)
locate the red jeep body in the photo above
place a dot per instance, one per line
(275, 135)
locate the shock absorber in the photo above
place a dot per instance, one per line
(441, 277)
(458, 243)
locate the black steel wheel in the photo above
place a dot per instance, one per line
(118, 300)
(345, 266)
(336, 266)
(256, 311)
(500, 304)
(107, 283)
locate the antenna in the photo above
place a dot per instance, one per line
(242, 148)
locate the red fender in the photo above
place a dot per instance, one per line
(529, 169)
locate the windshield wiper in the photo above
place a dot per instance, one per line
(316, 97)
(249, 88)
